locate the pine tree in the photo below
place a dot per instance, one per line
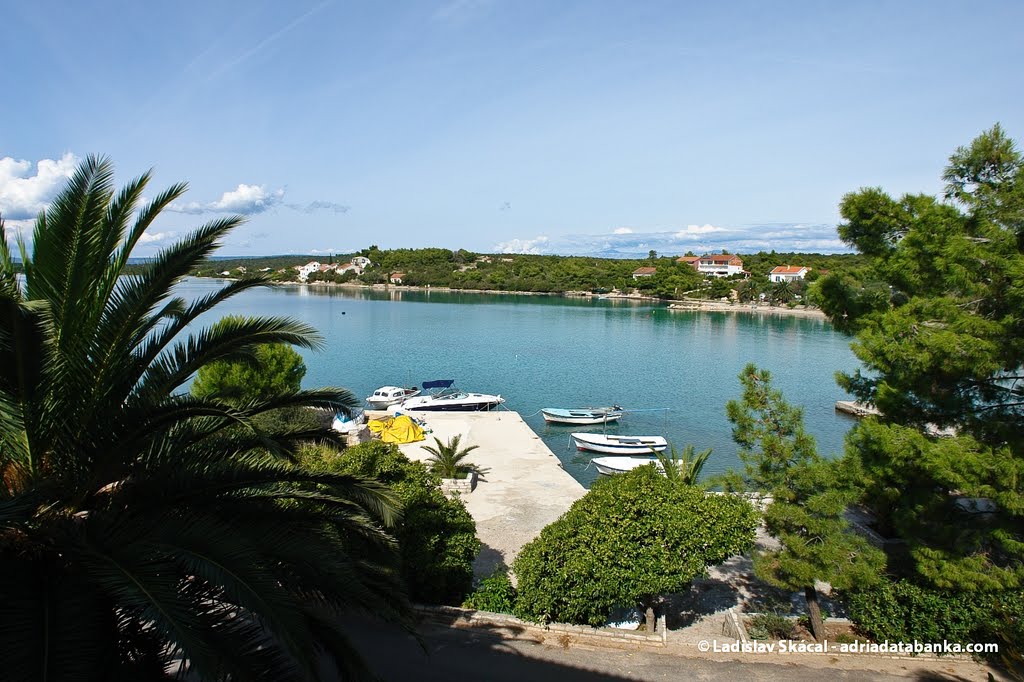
(809, 497)
(941, 335)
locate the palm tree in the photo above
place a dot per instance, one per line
(140, 525)
(782, 292)
(447, 458)
(683, 468)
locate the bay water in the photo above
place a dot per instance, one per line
(673, 371)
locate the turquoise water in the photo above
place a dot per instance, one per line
(539, 351)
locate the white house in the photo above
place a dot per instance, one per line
(396, 277)
(361, 262)
(720, 265)
(644, 272)
(306, 270)
(787, 273)
(348, 267)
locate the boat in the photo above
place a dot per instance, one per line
(348, 423)
(620, 465)
(445, 398)
(619, 445)
(582, 415)
(386, 396)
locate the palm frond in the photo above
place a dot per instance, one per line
(139, 524)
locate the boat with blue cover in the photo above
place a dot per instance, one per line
(445, 398)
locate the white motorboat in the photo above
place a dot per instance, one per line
(619, 445)
(385, 396)
(582, 415)
(620, 465)
(448, 399)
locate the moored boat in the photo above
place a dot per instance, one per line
(620, 465)
(385, 396)
(447, 399)
(582, 415)
(619, 445)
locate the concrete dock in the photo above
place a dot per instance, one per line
(524, 489)
(857, 409)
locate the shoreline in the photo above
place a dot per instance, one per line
(692, 305)
(674, 305)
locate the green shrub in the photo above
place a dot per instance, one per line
(495, 593)
(771, 626)
(436, 537)
(632, 538)
(904, 611)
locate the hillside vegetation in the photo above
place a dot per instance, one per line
(461, 269)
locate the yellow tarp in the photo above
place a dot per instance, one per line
(400, 429)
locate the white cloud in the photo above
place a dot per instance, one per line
(623, 230)
(537, 245)
(320, 205)
(245, 199)
(22, 194)
(248, 199)
(156, 237)
(698, 238)
(691, 231)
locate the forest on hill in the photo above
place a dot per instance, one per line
(465, 270)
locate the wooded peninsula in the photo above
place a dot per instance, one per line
(464, 270)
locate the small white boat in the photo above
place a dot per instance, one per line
(619, 445)
(447, 399)
(385, 396)
(620, 465)
(582, 415)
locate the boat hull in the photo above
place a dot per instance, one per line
(580, 417)
(610, 466)
(386, 396)
(619, 445)
(460, 402)
(460, 407)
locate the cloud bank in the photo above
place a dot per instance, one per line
(540, 245)
(253, 200)
(23, 194)
(700, 239)
(244, 199)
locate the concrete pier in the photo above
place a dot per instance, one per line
(524, 489)
(857, 409)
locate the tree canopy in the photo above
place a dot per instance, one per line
(436, 536)
(939, 330)
(631, 539)
(270, 368)
(809, 498)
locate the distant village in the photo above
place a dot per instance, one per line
(771, 278)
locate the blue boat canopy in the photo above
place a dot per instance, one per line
(440, 383)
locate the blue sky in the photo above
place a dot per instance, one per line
(517, 125)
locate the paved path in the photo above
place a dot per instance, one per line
(524, 489)
(462, 654)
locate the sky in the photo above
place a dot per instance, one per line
(529, 126)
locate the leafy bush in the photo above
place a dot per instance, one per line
(904, 611)
(495, 593)
(771, 626)
(437, 536)
(632, 538)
